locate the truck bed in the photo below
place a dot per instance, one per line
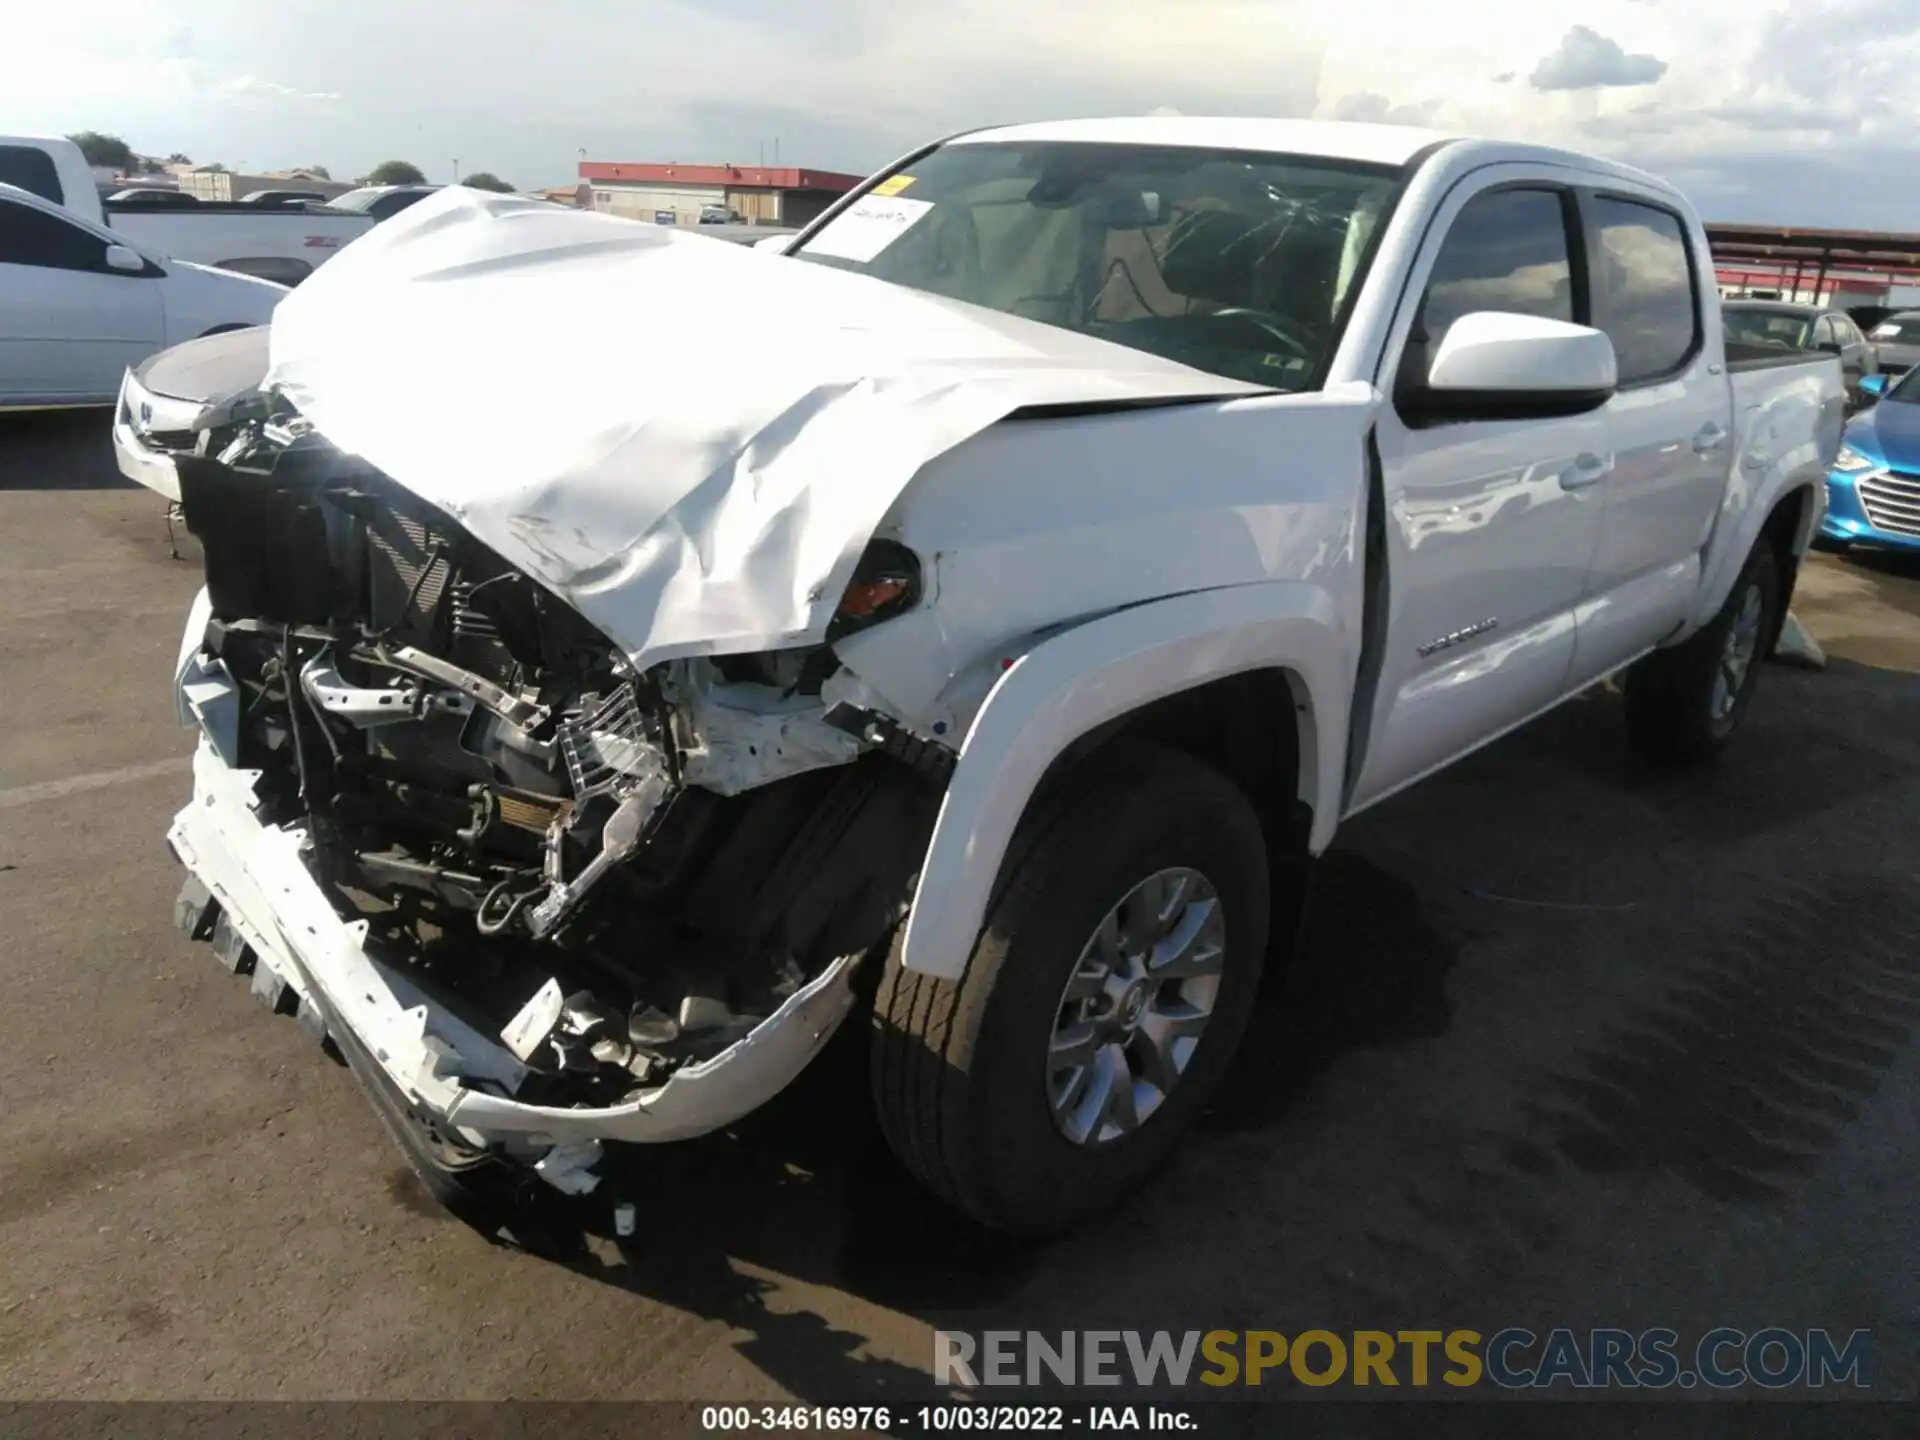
(282, 245)
(1743, 357)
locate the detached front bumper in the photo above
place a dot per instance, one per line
(427, 1055)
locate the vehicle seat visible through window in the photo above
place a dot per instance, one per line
(1288, 267)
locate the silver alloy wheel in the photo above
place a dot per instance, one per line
(1131, 1016)
(1736, 656)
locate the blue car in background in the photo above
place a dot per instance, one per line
(1873, 489)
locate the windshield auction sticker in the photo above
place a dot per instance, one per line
(868, 226)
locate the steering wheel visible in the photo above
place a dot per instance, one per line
(1275, 327)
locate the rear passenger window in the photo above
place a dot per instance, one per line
(1507, 251)
(1644, 294)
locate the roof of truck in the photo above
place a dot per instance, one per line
(1337, 139)
(1353, 140)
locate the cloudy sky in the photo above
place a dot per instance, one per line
(1764, 110)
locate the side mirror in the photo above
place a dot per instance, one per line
(1493, 365)
(123, 257)
(1871, 387)
(1832, 347)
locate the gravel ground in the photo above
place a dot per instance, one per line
(1571, 1044)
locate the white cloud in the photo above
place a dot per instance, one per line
(1587, 59)
(1377, 109)
(252, 86)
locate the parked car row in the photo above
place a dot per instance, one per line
(1873, 486)
(1777, 324)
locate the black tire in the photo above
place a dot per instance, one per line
(959, 1069)
(1672, 714)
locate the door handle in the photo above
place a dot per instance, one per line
(1709, 439)
(1586, 470)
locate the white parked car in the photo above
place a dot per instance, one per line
(279, 243)
(622, 657)
(78, 304)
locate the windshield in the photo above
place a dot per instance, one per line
(1781, 329)
(1238, 264)
(1907, 327)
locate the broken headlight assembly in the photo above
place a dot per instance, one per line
(885, 583)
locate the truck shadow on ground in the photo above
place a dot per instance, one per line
(1796, 762)
(806, 1192)
(788, 1226)
(59, 450)
(1897, 564)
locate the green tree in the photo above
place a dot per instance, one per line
(319, 172)
(176, 158)
(395, 172)
(104, 149)
(487, 180)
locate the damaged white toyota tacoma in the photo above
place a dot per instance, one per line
(623, 656)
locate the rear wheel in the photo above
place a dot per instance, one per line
(1684, 704)
(1103, 1000)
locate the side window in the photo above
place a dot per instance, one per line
(1644, 295)
(31, 170)
(1507, 251)
(33, 237)
(1826, 332)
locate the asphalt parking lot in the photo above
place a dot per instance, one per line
(1571, 1044)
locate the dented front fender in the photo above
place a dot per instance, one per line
(1071, 684)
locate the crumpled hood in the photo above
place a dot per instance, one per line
(688, 440)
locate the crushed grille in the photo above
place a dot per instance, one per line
(609, 748)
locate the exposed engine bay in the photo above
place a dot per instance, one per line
(618, 873)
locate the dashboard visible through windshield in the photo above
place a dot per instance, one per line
(1234, 263)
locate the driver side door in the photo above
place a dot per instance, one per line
(1490, 524)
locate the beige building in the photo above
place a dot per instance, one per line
(211, 184)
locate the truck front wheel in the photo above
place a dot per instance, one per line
(1683, 704)
(1103, 1000)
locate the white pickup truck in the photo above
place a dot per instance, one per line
(283, 244)
(623, 656)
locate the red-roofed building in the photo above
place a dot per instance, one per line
(756, 194)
